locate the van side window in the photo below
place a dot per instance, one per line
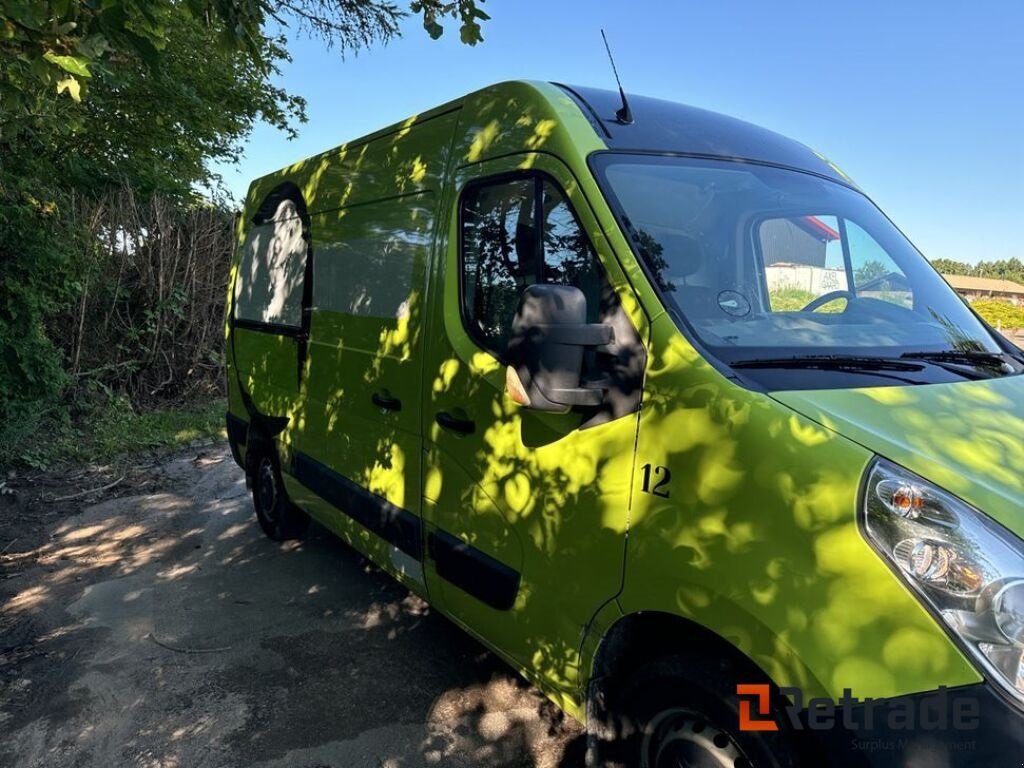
(805, 257)
(875, 274)
(370, 258)
(271, 270)
(516, 233)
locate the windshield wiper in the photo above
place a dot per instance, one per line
(882, 367)
(954, 359)
(957, 356)
(831, 363)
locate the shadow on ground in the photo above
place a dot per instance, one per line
(163, 630)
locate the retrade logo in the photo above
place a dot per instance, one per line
(936, 712)
(763, 721)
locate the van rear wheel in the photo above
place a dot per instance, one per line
(279, 518)
(678, 712)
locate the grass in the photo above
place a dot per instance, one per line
(116, 430)
(789, 299)
(998, 314)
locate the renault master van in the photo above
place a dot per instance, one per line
(663, 410)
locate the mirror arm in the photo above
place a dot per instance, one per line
(579, 335)
(584, 397)
(594, 335)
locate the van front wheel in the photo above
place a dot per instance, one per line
(677, 712)
(279, 518)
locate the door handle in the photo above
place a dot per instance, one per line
(386, 402)
(455, 424)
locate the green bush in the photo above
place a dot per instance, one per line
(87, 316)
(1000, 314)
(41, 246)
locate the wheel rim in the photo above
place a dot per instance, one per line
(266, 490)
(678, 738)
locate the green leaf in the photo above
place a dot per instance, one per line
(41, 70)
(470, 33)
(113, 18)
(93, 46)
(72, 86)
(148, 52)
(434, 29)
(76, 65)
(29, 15)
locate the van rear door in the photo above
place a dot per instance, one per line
(269, 320)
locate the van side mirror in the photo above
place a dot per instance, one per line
(549, 333)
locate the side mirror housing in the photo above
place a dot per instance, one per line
(549, 334)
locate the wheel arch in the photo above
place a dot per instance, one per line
(639, 637)
(644, 637)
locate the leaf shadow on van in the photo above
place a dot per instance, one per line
(760, 539)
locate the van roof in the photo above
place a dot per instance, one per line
(658, 126)
(665, 126)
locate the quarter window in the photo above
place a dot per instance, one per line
(516, 233)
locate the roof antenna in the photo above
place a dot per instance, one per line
(624, 114)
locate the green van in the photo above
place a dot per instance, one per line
(662, 409)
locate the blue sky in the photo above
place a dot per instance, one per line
(922, 103)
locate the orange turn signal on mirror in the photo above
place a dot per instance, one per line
(514, 387)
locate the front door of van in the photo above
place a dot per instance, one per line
(526, 512)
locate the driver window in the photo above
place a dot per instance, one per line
(498, 255)
(515, 233)
(803, 261)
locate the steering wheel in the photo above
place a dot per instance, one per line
(825, 298)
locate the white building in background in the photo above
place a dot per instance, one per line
(815, 280)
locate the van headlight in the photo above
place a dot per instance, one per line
(964, 566)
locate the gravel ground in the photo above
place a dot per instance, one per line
(159, 628)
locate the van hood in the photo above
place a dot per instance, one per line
(966, 437)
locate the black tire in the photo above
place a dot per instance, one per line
(279, 518)
(680, 712)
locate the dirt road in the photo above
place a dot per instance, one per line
(162, 629)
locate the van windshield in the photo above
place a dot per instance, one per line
(766, 265)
